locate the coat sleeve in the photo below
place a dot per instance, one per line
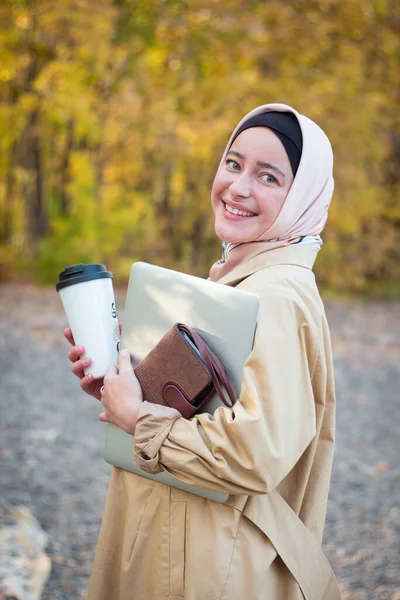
(250, 448)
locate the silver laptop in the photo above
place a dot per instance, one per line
(224, 316)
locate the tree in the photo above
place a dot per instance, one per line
(118, 122)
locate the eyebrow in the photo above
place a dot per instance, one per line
(265, 165)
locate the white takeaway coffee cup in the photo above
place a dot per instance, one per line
(87, 295)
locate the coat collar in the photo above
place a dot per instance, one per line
(296, 254)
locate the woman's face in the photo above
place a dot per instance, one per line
(250, 186)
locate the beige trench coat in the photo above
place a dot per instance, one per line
(158, 542)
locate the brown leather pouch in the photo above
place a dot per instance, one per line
(182, 372)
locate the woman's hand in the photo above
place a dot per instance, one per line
(121, 395)
(88, 384)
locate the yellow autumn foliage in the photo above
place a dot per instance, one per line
(114, 115)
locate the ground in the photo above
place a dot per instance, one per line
(51, 443)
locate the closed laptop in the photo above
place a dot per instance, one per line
(224, 316)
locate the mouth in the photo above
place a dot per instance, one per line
(236, 212)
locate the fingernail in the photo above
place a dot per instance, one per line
(124, 353)
(86, 361)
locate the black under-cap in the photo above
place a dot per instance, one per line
(286, 126)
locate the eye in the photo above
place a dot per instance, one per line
(269, 178)
(232, 164)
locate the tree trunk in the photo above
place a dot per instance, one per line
(6, 230)
(31, 162)
(198, 242)
(164, 216)
(64, 199)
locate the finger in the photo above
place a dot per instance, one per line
(79, 366)
(90, 387)
(69, 336)
(87, 383)
(111, 374)
(103, 417)
(75, 353)
(124, 362)
(102, 397)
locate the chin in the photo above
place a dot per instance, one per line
(225, 234)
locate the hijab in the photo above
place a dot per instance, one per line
(305, 210)
(285, 126)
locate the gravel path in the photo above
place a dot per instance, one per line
(51, 443)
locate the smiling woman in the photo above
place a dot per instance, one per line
(265, 171)
(272, 451)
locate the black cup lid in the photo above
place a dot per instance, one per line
(80, 273)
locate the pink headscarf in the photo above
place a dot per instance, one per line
(305, 210)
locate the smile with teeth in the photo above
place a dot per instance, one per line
(242, 213)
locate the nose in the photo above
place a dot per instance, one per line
(240, 187)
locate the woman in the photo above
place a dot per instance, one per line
(272, 452)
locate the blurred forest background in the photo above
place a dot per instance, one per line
(114, 114)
